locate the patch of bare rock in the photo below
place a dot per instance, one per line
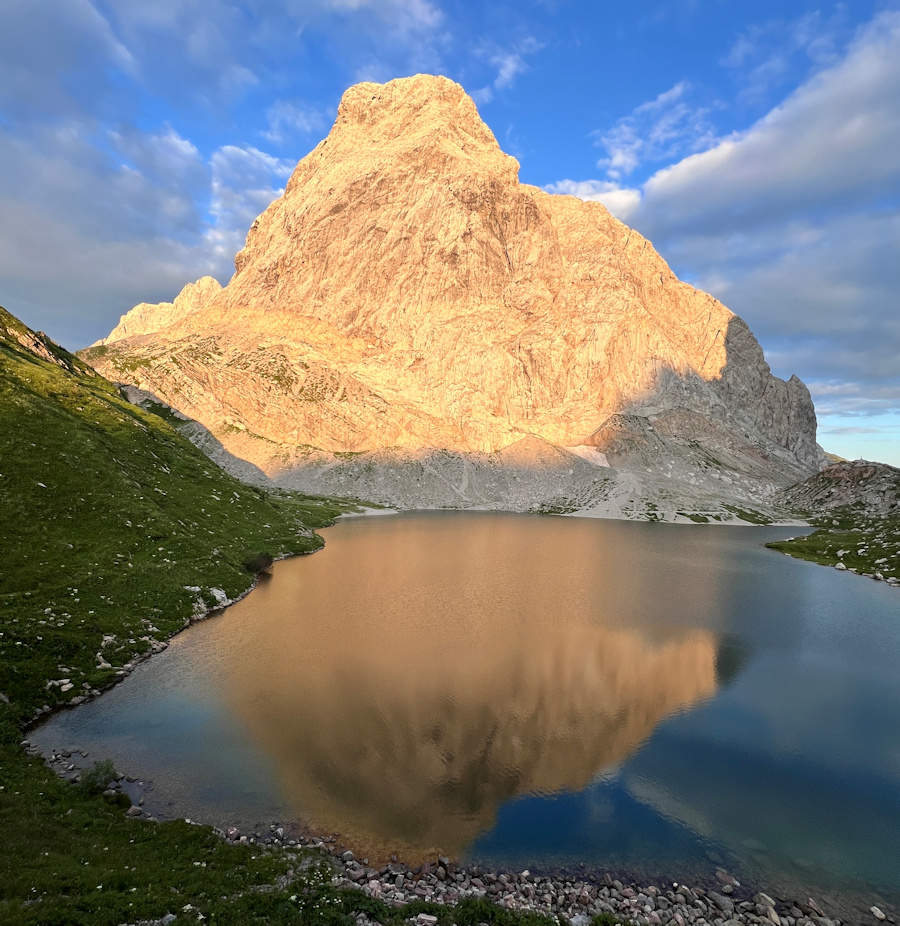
(871, 488)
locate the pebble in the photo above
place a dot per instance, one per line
(878, 914)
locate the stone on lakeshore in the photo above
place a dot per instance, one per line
(725, 904)
(877, 913)
(133, 811)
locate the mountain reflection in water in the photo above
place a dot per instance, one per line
(403, 707)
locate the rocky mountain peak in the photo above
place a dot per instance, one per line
(410, 110)
(147, 318)
(408, 295)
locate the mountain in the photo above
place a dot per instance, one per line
(410, 323)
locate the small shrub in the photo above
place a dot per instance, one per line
(260, 563)
(98, 776)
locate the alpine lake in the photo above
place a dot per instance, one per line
(552, 693)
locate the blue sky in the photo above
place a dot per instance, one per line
(757, 145)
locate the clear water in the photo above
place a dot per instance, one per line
(539, 692)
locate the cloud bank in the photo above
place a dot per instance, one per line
(793, 223)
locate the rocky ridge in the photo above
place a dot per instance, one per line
(408, 322)
(872, 489)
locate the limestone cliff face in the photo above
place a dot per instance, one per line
(408, 292)
(148, 318)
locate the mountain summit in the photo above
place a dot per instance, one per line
(407, 300)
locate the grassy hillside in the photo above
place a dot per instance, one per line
(107, 518)
(869, 546)
(856, 507)
(106, 514)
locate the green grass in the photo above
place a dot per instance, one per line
(868, 545)
(752, 517)
(107, 518)
(106, 514)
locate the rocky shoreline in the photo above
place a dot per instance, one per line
(573, 898)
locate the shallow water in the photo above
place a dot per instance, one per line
(538, 692)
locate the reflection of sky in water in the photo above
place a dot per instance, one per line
(547, 683)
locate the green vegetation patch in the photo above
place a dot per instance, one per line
(115, 530)
(745, 514)
(870, 546)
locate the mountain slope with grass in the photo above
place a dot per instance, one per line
(106, 514)
(115, 530)
(856, 506)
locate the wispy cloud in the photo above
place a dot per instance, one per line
(765, 56)
(509, 63)
(243, 185)
(287, 119)
(660, 129)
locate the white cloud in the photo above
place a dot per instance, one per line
(660, 129)
(90, 231)
(835, 138)
(42, 40)
(509, 64)
(244, 182)
(287, 119)
(620, 201)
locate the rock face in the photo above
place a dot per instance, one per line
(147, 318)
(871, 489)
(408, 296)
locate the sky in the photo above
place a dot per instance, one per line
(757, 145)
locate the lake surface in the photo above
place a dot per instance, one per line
(526, 691)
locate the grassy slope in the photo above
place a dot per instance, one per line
(106, 513)
(869, 545)
(856, 507)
